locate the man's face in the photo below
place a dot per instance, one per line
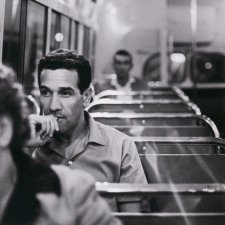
(61, 97)
(122, 65)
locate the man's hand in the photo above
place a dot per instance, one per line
(42, 129)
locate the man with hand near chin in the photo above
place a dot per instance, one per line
(68, 135)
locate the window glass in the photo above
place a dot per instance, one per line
(60, 31)
(35, 42)
(80, 39)
(65, 32)
(11, 34)
(76, 30)
(55, 29)
(86, 42)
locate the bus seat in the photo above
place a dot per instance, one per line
(148, 119)
(169, 197)
(184, 168)
(143, 106)
(172, 219)
(179, 145)
(166, 131)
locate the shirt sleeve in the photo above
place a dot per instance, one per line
(131, 170)
(89, 207)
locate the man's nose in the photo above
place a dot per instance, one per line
(55, 104)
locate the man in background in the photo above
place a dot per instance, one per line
(122, 65)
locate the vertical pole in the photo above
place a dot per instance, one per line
(22, 39)
(2, 19)
(193, 14)
(72, 35)
(48, 31)
(163, 58)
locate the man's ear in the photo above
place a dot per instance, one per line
(6, 131)
(87, 96)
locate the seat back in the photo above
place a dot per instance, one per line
(149, 119)
(166, 131)
(179, 145)
(171, 198)
(180, 168)
(113, 94)
(171, 219)
(143, 106)
(123, 120)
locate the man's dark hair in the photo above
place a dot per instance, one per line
(123, 53)
(67, 59)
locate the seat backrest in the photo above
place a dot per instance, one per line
(123, 120)
(169, 197)
(171, 219)
(141, 106)
(179, 145)
(149, 119)
(166, 131)
(180, 168)
(113, 94)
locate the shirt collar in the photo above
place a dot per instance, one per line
(96, 134)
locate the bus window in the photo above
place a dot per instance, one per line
(80, 39)
(11, 34)
(64, 32)
(76, 30)
(177, 67)
(60, 31)
(86, 45)
(35, 43)
(55, 30)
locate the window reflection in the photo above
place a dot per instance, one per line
(55, 29)
(60, 31)
(151, 68)
(65, 31)
(11, 34)
(34, 46)
(177, 67)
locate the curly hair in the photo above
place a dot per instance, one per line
(33, 177)
(11, 106)
(67, 59)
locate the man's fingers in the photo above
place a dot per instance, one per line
(47, 124)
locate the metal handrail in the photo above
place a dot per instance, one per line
(142, 103)
(181, 94)
(144, 116)
(131, 93)
(112, 189)
(182, 140)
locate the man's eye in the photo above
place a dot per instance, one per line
(65, 93)
(45, 93)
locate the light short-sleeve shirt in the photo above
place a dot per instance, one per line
(109, 155)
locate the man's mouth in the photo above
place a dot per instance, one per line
(58, 118)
